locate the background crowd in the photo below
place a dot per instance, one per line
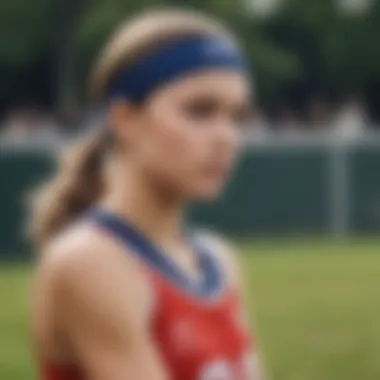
(349, 119)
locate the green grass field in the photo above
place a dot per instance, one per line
(315, 305)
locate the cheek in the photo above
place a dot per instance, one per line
(175, 145)
(186, 155)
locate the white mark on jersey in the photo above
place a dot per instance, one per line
(247, 368)
(217, 370)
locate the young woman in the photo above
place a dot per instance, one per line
(124, 290)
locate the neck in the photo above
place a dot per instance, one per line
(134, 196)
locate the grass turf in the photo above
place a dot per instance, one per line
(315, 306)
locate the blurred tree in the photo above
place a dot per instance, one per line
(24, 38)
(302, 49)
(24, 30)
(67, 17)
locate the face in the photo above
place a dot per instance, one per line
(186, 134)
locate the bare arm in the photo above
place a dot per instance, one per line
(101, 311)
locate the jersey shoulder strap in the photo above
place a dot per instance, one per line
(222, 252)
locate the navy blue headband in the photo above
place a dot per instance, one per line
(173, 60)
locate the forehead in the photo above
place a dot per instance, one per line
(225, 85)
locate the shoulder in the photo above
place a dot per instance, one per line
(81, 246)
(224, 252)
(83, 259)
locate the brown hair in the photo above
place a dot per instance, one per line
(79, 182)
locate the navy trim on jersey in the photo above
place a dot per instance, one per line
(208, 284)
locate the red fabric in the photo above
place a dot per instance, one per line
(52, 371)
(197, 339)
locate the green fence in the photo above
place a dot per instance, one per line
(20, 172)
(273, 192)
(276, 190)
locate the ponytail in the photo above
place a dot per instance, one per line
(78, 184)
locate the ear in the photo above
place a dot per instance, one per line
(122, 119)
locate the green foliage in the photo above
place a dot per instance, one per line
(24, 30)
(305, 44)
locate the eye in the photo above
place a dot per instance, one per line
(201, 109)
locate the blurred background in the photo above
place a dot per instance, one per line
(304, 205)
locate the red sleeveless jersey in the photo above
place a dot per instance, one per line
(198, 337)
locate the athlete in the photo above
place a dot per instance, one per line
(124, 289)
